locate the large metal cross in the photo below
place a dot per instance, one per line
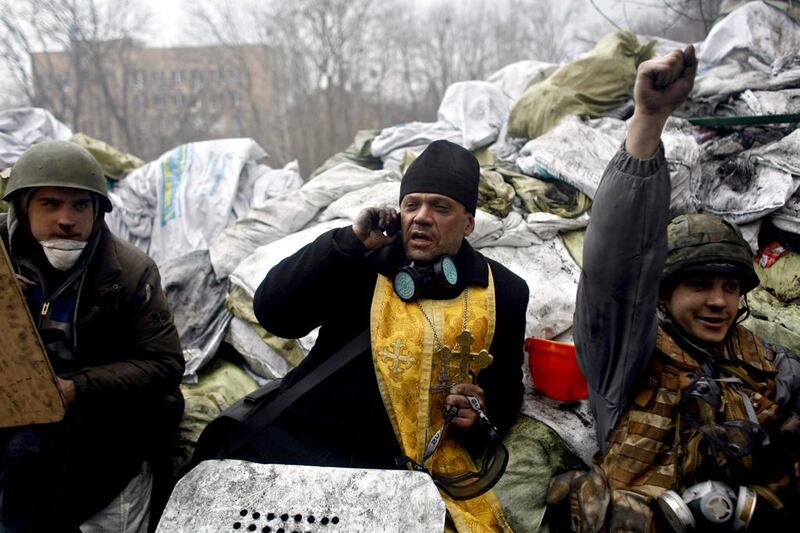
(399, 361)
(458, 365)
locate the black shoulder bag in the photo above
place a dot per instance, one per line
(235, 427)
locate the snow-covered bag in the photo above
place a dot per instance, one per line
(183, 200)
(23, 127)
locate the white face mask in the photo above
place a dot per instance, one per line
(62, 253)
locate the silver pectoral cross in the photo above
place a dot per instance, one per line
(458, 365)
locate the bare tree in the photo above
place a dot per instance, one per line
(310, 73)
(679, 20)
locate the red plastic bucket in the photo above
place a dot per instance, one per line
(555, 370)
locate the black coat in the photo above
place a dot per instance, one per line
(330, 283)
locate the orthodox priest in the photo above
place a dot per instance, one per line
(444, 327)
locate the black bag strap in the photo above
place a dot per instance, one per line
(262, 416)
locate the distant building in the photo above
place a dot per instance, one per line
(146, 100)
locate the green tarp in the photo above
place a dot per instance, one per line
(552, 196)
(358, 152)
(219, 385)
(573, 240)
(590, 86)
(782, 278)
(494, 194)
(114, 162)
(536, 453)
(773, 320)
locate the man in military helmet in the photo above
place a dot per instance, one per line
(696, 418)
(98, 304)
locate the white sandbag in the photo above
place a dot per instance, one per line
(577, 152)
(572, 152)
(754, 47)
(758, 182)
(719, 83)
(471, 114)
(251, 272)
(272, 183)
(23, 127)
(488, 228)
(548, 225)
(513, 79)
(663, 45)
(385, 194)
(769, 102)
(750, 233)
(260, 183)
(491, 230)
(683, 159)
(787, 217)
(412, 134)
(477, 109)
(284, 215)
(552, 278)
(754, 30)
(261, 358)
(187, 195)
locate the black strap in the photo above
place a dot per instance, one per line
(264, 416)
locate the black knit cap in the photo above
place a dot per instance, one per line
(444, 168)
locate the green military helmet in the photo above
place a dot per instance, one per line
(706, 243)
(58, 164)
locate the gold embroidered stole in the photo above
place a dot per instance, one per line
(403, 345)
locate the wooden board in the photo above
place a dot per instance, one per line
(28, 390)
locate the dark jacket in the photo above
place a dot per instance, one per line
(127, 368)
(330, 283)
(127, 347)
(624, 251)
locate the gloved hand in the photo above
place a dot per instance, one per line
(630, 512)
(584, 495)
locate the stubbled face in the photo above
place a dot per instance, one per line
(433, 225)
(61, 213)
(705, 305)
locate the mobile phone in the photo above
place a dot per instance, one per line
(393, 227)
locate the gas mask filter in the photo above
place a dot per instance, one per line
(709, 506)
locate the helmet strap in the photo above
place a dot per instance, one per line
(744, 312)
(684, 341)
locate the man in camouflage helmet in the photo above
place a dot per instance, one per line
(696, 418)
(98, 304)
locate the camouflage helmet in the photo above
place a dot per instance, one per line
(706, 243)
(58, 164)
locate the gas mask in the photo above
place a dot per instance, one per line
(409, 280)
(62, 254)
(709, 506)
